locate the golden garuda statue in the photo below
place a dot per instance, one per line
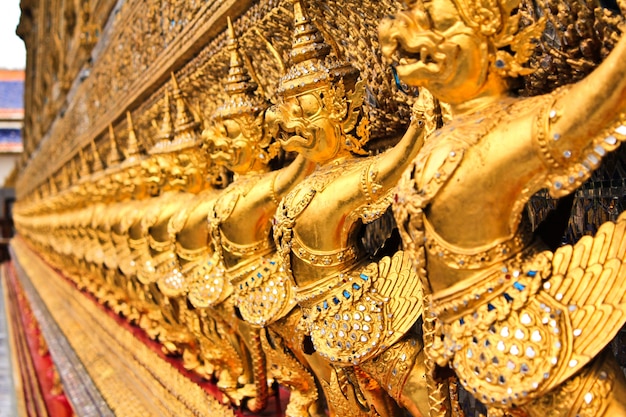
(243, 243)
(522, 326)
(240, 224)
(354, 306)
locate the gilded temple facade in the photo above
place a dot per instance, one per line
(309, 208)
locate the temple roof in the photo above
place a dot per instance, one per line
(11, 94)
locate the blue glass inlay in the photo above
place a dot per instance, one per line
(346, 294)
(490, 307)
(335, 300)
(531, 273)
(325, 304)
(356, 286)
(519, 286)
(507, 297)
(364, 277)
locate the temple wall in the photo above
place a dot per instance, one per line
(118, 223)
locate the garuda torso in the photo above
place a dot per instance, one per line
(260, 288)
(523, 319)
(189, 257)
(353, 308)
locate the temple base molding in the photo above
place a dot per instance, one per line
(104, 368)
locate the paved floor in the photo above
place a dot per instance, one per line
(7, 398)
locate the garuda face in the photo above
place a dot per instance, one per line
(237, 142)
(434, 48)
(306, 125)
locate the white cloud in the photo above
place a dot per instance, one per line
(12, 51)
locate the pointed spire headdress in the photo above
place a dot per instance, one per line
(131, 153)
(180, 133)
(97, 161)
(84, 167)
(65, 177)
(74, 172)
(53, 186)
(313, 68)
(114, 157)
(241, 90)
(185, 125)
(166, 130)
(312, 65)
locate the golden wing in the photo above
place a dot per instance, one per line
(402, 291)
(589, 281)
(368, 310)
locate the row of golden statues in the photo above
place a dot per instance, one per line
(267, 277)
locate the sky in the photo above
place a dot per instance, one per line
(12, 52)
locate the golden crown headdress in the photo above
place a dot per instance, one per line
(313, 68)
(97, 160)
(53, 186)
(312, 65)
(244, 104)
(74, 172)
(84, 166)
(65, 177)
(241, 90)
(183, 131)
(165, 132)
(186, 127)
(132, 154)
(114, 157)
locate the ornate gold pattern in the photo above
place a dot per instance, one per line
(237, 208)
